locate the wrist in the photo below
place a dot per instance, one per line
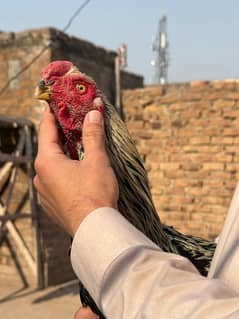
(79, 213)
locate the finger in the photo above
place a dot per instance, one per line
(48, 138)
(93, 132)
(85, 313)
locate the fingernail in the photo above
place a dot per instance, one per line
(95, 117)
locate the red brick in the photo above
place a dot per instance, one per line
(222, 157)
(212, 200)
(224, 104)
(232, 167)
(222, 140)
(192, 96)
(213, 166)
(190, 166)
(179, 106)
(231, 114)
(170, 98)
(213, 96)
(169, 166)
(232, 95)
(231, 131)
(135, 125)
(200, 140)
(200, 84)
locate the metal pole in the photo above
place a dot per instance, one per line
(117, 85)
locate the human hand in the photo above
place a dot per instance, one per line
(69, 190)
(85, 313)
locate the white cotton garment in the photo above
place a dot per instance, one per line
(129, 277)
(225, 263)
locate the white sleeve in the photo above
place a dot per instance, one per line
(225, 262)
(130, 277)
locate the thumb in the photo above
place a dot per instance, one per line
(93, 134)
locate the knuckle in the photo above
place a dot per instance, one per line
(35, 181)
(38, 164)
(93, 138)
(94, 131)
(101, 158)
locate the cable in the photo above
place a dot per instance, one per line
(72, 18)
(36, 57)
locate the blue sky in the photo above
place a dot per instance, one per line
(203, 35)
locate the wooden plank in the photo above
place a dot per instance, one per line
(15, 159)
(19, 242)
(5, 171)
(33, 205)
(25, 140)
(14, 121)
(13, 217)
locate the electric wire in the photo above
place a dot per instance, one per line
(37, 56)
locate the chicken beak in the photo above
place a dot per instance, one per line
(42, 92)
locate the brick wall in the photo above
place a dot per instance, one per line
(17, 51)
(188, 136)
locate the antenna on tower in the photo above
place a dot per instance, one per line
(160, 45)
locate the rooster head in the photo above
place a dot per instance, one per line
(71, 95)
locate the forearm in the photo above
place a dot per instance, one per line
(129, 277)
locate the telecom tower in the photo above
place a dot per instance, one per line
(160, 45)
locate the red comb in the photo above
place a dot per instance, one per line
(56, 69)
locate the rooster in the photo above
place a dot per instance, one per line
(71, 94)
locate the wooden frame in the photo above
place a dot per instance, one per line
(23, 156)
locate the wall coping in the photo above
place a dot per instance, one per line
(58, 40)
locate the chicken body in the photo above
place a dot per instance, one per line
(71, 95)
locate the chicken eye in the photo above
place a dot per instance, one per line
(81, 88)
